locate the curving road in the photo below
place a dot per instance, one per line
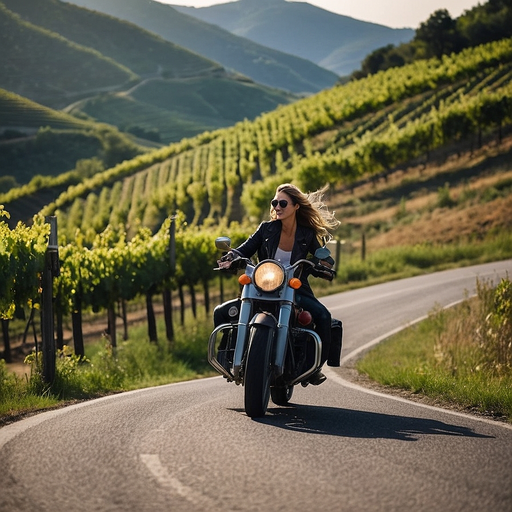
(190, 446)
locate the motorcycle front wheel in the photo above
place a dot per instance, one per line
(258, 371)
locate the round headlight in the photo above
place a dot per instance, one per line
(268, 276)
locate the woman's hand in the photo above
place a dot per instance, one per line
(225, 261)
(326, 263)
(224, 264)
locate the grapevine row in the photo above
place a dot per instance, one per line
(113, 270)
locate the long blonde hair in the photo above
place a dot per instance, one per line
(312, 212)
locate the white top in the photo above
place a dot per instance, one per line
(283, 256)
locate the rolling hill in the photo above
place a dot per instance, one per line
(50, 69)
(258, 62)
(143, 53)
(182, 108)
(102, 69)
(64, 32)
(340, 45)
(38, 143)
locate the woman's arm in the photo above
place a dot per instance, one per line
(249, 248)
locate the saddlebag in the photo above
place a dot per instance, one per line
(336, 342)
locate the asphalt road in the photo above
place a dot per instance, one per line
(190, 446)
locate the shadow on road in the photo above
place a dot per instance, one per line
(359, 424)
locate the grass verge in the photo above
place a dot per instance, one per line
(460, 357)
(134, 364)
(401, 262)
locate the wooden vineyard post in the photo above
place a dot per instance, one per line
(51, 269)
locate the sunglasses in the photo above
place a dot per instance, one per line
(283, 203)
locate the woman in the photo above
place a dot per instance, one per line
(298, 223)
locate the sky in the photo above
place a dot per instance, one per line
(392, 13)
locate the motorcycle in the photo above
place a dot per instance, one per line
(270, 345)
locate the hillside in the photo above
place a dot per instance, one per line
(292, 27)
(175, 91)
(461, 194)
(143, 53)
(146, 60)
(18, 113)
(258, 62)
(182, 108)
(45, 67)
(105, 70)
(362, 131)
(38, 142)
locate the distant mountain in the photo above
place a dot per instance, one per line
(339, 43)
(257, 61)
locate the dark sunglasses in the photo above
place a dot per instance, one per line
(283, 203)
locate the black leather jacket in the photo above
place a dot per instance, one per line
(265, 242)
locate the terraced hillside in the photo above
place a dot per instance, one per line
(48, 147)
(363, 130)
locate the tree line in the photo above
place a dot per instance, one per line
(442, 35)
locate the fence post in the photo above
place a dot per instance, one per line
(338, 254)
(51, 269)
(167, 294)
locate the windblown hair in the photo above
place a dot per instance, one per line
(312, 212)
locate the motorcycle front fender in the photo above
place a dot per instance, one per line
(264, 319)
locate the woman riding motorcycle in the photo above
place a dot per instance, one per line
(298, 223)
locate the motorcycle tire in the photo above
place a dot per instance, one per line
(281, 395)
(258, 371)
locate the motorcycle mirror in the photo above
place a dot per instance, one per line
(223, 243)
(322, 253)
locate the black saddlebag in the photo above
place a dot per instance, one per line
(336, 342)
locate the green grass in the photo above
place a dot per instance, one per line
(461, 357)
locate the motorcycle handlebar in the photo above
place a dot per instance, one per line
(326, 272)
(236, 260)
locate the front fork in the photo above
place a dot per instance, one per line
(281, 338)
(281, 342)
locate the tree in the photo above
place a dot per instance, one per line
(381, 59)
(485, 23)
(438, 34)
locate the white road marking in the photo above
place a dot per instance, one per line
(167, 480)
(340, 380)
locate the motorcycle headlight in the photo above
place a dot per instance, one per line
(268, 276)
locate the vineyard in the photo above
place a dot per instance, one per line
(16, 111)
(115, 240)
(363, 128)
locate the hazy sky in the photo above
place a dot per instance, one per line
(392, 13)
